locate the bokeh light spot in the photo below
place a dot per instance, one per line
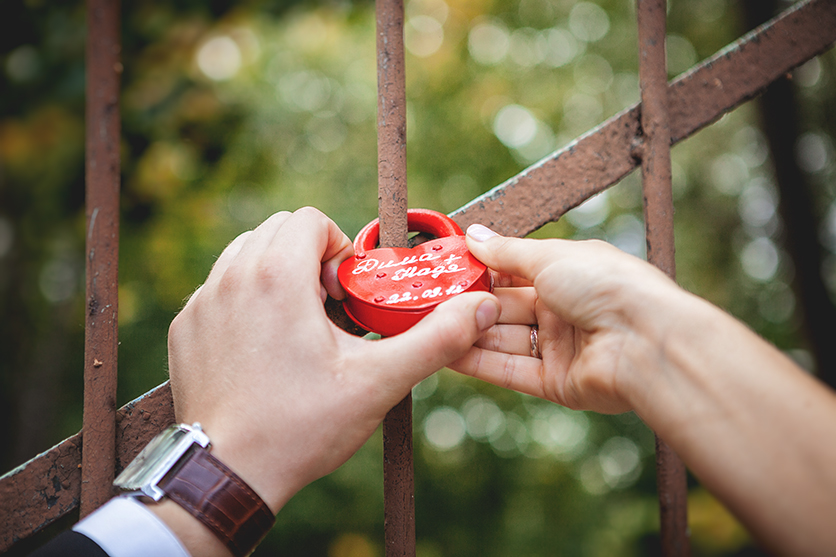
(219, 58)
(591, 212)
(423, 35)
(589, 22)
(444, 428)
(514, 126)
(483, 418)
(488, 42)
(23, 64)
(813, 152)
(760, 259)
(680, 53)
(559, 47)
(620, 462)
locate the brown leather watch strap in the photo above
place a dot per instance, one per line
(216, 496)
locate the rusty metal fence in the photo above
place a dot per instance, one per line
(78, 472)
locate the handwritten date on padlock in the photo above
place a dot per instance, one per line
(390, 289)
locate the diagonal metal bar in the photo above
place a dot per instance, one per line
(398, 472)
(39, 492)
(655, 153)
(603, 156)
(102, 201)
(46, 488)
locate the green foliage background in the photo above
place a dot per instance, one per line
(232, 111)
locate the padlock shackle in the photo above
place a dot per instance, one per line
(418, 220)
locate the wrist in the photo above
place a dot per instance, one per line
(247, 454)
(668, 328)
(177, 467)
(687, 360)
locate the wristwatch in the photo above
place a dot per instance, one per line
(177, 464)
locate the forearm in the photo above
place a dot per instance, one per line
(754, 428)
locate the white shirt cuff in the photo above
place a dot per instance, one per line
(124, 527)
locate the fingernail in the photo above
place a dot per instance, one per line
(480, 233)
(486, 314)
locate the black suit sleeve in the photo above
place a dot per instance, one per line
(70, 544)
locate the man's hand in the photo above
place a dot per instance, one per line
(285, 395)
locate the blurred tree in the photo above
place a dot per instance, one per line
(234, 110)
(797, 207)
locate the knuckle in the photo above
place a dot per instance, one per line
(469, 364)
(477, 362)
(279, 215)
(313, 218)
(504, 280)
(180, 325)
(509, 369)
(454, 332)
(266, 274)
(504, 247)
(175, 327)
(239, 240)
(493, 339)
(309, 210)
(311, 213)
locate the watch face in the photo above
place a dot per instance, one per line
(157, 458)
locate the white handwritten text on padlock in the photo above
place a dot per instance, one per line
(371, 264)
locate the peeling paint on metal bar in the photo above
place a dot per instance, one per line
(102, 198)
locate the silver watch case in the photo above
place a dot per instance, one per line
(144, 473)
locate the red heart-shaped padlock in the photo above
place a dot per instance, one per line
(390, 289)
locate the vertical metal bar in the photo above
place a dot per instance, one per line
(398, 478)
(391, 124)
(102, 202)
(658, 203)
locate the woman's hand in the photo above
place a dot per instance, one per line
(601, 315)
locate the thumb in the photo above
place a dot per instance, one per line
(443, 336)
